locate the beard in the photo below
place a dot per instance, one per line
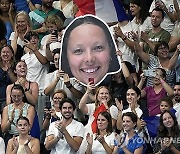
(67, 117)
(177, 98)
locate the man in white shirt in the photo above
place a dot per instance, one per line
(65, 136)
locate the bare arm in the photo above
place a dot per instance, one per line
(137, 151)
(5, 123)
(125, 71)
(11, 14)
(14, 41)
(82, 104)
(173, 42)
(50, 88)
(10, 148)
(35, 147)
(32, 93)
(173, 60)
(11, 75)
(171, 15)
(8, 93)
(145, 38)
(167, 87)
(143, 56)
(51, 142)
(176, 151)
(107, 148)
(31, 114)
(119, 118)
(74, 142)
(49, 53)
(176, 6)
(42, 59)
(118, 32)
(78, 94)
(88, 94)
(32, 7)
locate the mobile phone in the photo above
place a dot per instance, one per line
(48, 105)
(150, 73)
(27, 36)
(55, 32)
(91, 80)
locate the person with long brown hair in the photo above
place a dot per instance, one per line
(168, 134)
(102, 102)
(7, 75)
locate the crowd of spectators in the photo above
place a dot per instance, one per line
(43, 110)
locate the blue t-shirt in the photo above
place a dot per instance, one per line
(134, 143)
(21, 5)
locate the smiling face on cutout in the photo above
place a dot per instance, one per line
(88, 50)
(88, 53)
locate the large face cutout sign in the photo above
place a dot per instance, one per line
(88, 50)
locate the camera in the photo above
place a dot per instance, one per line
(149, 73)
(48, 105)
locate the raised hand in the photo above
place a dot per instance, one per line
(15, 142)
(28, 140)
(100, 138)
(144, 36)
(119, 104)
(59, 74)
(118, 32)
(89, 138)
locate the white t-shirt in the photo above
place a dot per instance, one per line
(166, 24)
(19, 41)
(36, 72)
(127, 53)
(177, 108)
(88, 129)
(75, 128)
(138, 111)
(2, 146)
(146, 26)
(67, 10)
(97, 147)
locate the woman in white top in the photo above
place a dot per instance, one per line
(103, 141)
(102, 102)
(140, 13)
(133, 95)
(66, 6)
(2, 146)
(21, 28)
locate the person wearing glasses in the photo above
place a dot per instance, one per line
(14, 110)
